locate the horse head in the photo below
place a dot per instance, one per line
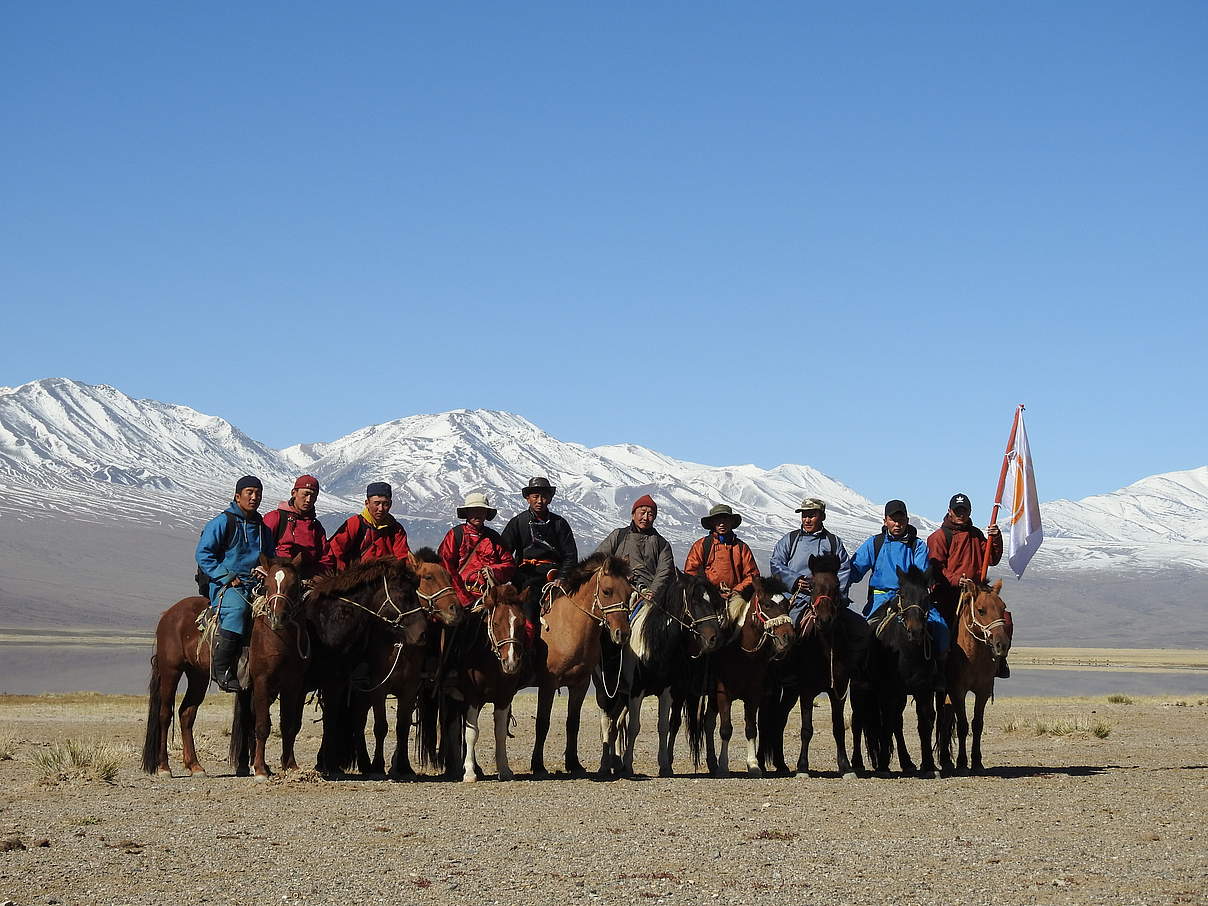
(704, 611)
(282, 585)
(505, 625)
(770, 603)
(914, 602)
(435, 587)
(984, 616)
(826, 598)
(608, 578)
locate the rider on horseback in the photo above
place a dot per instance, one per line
(372, 534)
(228, 551)
(790, 559)
(541, 543)
(474, 554)
(898, 547)
(645, 550)
(298, 530)
(721, 556)
(958, 549)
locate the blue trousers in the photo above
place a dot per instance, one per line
(232, 606)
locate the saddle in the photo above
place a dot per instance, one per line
(207, 627)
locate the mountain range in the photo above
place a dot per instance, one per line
(89, 455)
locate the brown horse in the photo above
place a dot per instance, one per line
(490, 653)
(180, 650)
(762, 630)
(401, 669)
(982, 641)
(595, 596)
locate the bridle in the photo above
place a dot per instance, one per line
(429, 600)
(979, 631)
(768, 625)
(601, 618)
(894, 610)
(262, 606)
(400, 613)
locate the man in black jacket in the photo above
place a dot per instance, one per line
(541, 542)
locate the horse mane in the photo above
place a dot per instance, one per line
(361, 573)
(427, 555)
(824, 563)
(585, 569)
(919, 580)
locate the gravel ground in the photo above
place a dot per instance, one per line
(1059, 819)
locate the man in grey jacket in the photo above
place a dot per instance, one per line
(645, 550)
(790, 559)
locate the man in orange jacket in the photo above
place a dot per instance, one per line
(721, 556)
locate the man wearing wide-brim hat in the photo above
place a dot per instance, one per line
(541, 542)
(473, 553)
(721, 556)
(791, 557)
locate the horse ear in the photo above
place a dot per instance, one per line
(297, 561)
(997, 587)
(263, 561)
(413, 561)
(812, 560)
(901, 575)
(526, 594)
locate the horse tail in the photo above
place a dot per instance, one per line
(943, 741)
(770, 726)
(242, 727)
(452, 733)
(696, 706)
(427, 729)
(151, 742)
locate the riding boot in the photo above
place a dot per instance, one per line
(225, 659)
(1004, 672)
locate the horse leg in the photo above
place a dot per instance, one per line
(905, 762)
(750, 713)
(781, 707)
(400, 764)
(358, 717)
(666, 740)
(574, 710)
(545, 704)
(836, 703)
(381, 727)
(292, 702)
(807, 733)
(709, 724)
(262, 700)
(725, 732)
(632, 728)
(195, 692)
(945, 716)
(925, 709)
(159, 718)
(503, 716)
(608, 739)
(979, 714)
(962, 731)
(470, 731)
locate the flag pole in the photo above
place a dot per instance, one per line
(1002, 482)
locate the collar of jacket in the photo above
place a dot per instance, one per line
(288, 507)
(724, 539)
(389, 520)
(235, 508)
(637, 531)
(952, 526)
(908, 537)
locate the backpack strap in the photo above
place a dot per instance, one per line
(354, 539)
(833, 541)
(706, 546)
(795, 536)
(877, 543)
(459, 532)
(283, 522)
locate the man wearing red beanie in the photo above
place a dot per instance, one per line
(297, 530)
(645, 550)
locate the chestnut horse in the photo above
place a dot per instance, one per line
(762, 631)
(831, 652)
(180, 650)
(982, 641)
(401, 668)
(490, 651)
(594, 596)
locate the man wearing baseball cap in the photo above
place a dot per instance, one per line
(958, 549)
(790, 559)
(230, 547)
(646, 551)
(373, 534)
(297, 530)
(898, 546)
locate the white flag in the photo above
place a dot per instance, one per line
(1024, 532)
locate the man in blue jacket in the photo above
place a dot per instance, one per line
(898, 546)
(791, 558)
(230, 548)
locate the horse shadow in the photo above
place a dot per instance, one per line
(1017, 771)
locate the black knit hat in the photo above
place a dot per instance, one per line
(248, 481)
(378, 489)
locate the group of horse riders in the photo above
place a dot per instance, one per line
(538, 545)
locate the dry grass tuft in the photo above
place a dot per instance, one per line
(1119, 700)
(8, 748)
(1060, 728)
(77, 760)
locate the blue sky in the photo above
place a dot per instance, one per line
(853, 238)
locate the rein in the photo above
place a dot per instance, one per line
(979, 632)
(619, 607)
(261, 607)
(768, 624)
(895, 611)
(402, 614)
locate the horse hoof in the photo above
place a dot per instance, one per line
(849, 775)
(754, 771)
(197, 772)
(262, 778)
(470, 778)
(926, 774)
(538, 771)
(884, 775)
(666, 772)
(506, 776)
(163, 772)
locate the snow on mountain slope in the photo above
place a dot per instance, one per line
(1162, 508)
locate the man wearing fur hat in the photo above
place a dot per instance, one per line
(646, 551)
(473, 553)
(790, 559)
(721, 556)
(372, 534)
(541, 542)
(228, 552)
(297, 530)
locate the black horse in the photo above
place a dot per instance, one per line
(903, 664)
(666, 638)
(832, 651)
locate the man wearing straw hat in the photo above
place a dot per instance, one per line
(721, 556)
(791, 558)
(473, 553)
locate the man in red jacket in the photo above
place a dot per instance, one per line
(297, 530)
(373, 534)
(958, 549)
(474, 554)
